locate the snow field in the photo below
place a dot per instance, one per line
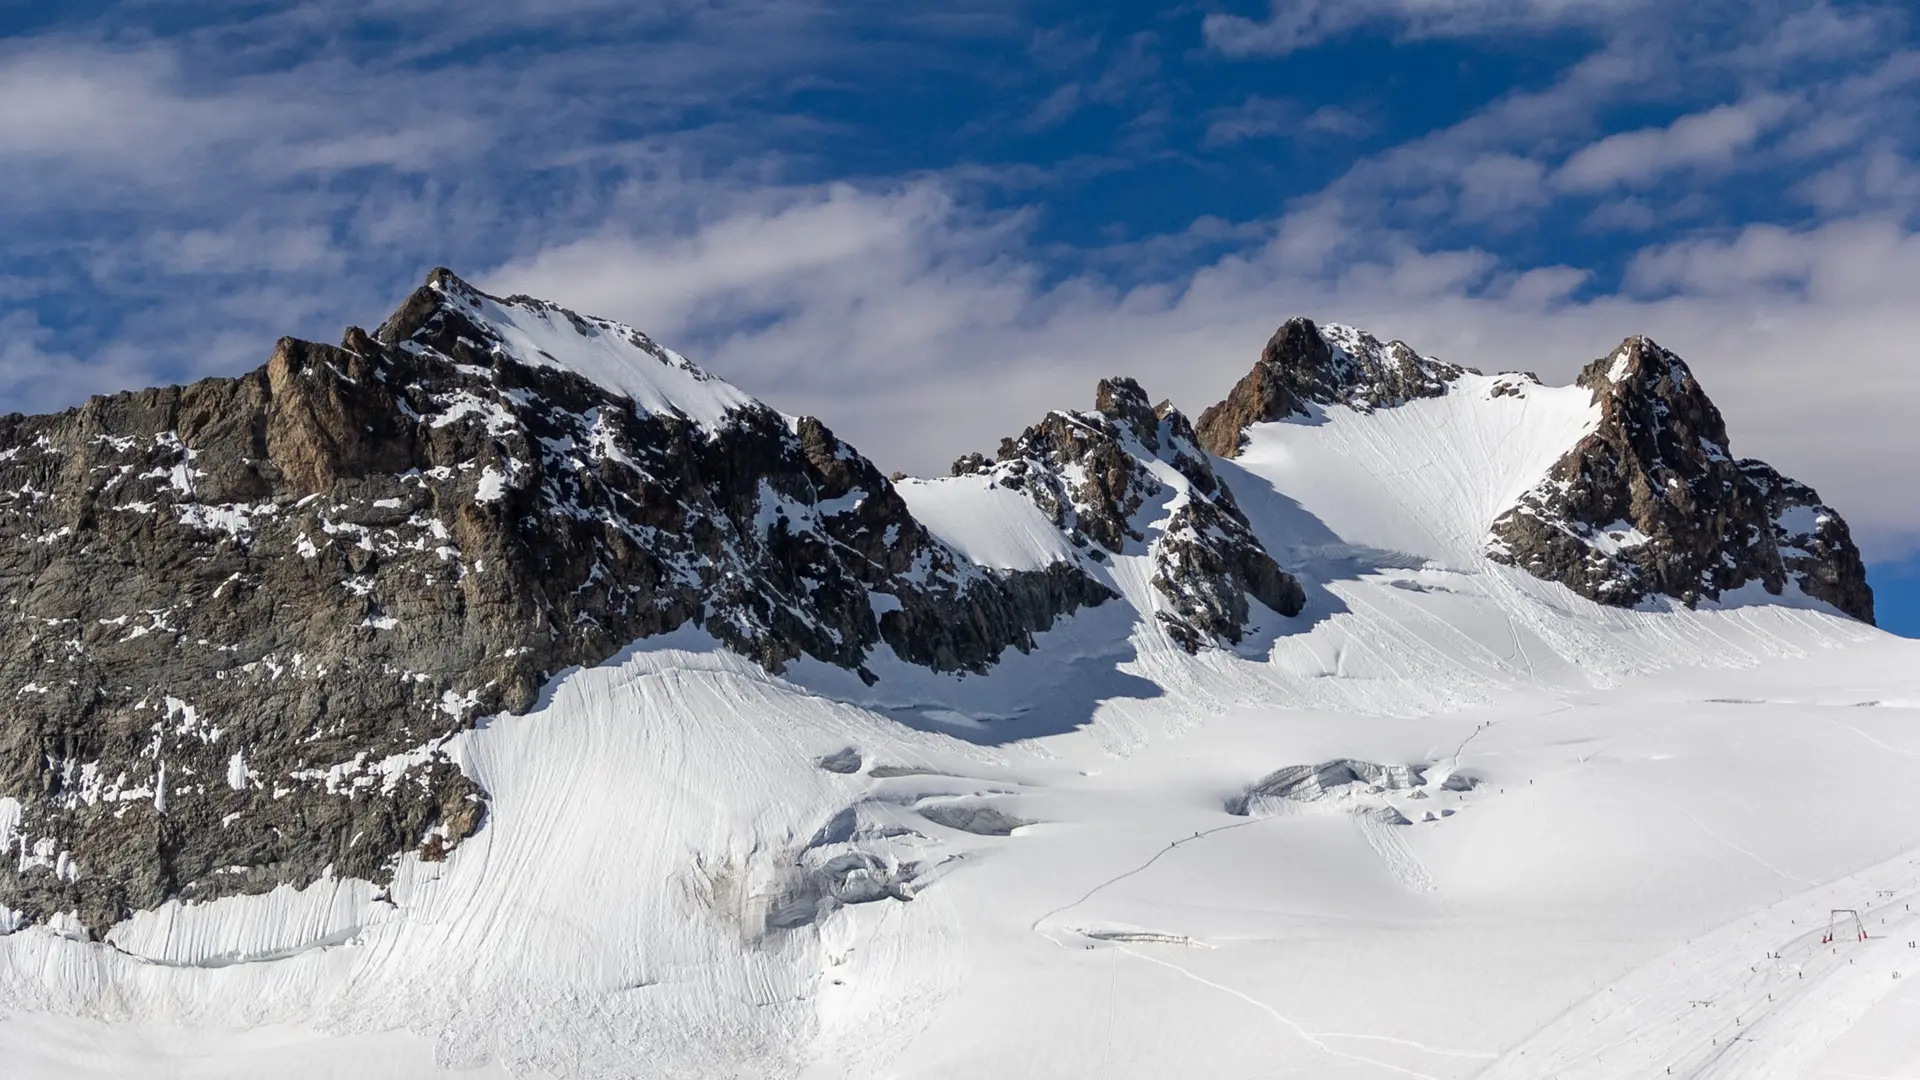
(992, 526)
(615, 910)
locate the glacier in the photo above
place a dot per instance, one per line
(1586, 840)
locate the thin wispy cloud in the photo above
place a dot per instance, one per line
(1715, 137)
(1292, 25)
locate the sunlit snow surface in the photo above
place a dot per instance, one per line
(1639, 821)
(613, 355)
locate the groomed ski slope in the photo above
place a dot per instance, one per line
(1645, 808)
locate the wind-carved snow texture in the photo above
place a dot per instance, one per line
(246, 615)
(1129, 477)
(1653, 503)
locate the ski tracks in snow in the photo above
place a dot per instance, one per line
(1316, 1039)
(1389, 842)
(1760, 997)
(1401, 862)
(1037, 924)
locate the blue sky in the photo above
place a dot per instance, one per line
(927, 223)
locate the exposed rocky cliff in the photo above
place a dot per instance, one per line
(1305, 365)
(1129, 477)
(1651, 502)
(246, 615)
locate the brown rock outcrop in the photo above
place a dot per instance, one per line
(1652, 503)
(1304, 365)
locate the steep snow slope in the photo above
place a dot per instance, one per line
(694, 868)
(615, 356)
(990, 525)
(1423, 478)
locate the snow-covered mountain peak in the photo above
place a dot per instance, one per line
(1359, 358)
(455, 319)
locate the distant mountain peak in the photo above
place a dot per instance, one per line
(453, 318)
(1652, 502)
(1306, 365)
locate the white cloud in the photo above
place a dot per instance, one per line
(1056, 107)
(803, 256)
(1631, 214)
(1255, 118)
(1819, 31)
(1714, 137)
(1484, 161)
(1499, 184)
(1334, 120)
(1881, 179)
(39, 374)
(89, 104)
(1858, 263)
(132, 115)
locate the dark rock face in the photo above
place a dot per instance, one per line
(1652, 503)
(245, 616)
(1304, 365)
(1093, 475)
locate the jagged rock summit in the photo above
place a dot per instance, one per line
(1648, 502)
(1306, 365)
(1651, 502)
(1130, 477)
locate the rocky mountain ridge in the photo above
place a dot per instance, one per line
(1306, 365)
(1648, 503)
(248, 615)
(1129, 477)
